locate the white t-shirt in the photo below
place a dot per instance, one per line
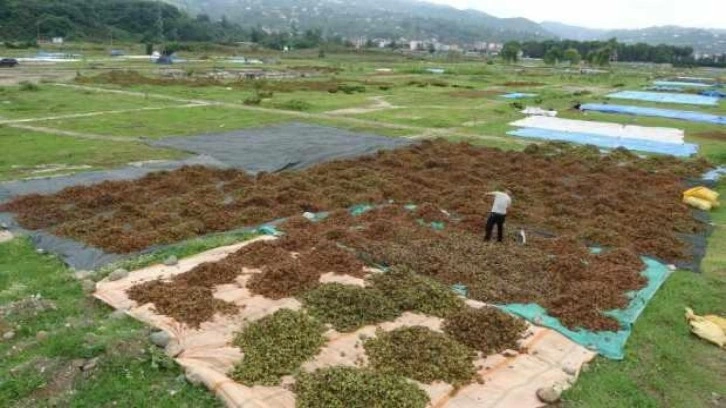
(502, 201)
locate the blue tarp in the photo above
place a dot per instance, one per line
(682, 84)
(655, 112)
(608, 344)
(518, 95)
(665, 89)
(606, 142)
(714, 93)
(715, 174)
(663, 97)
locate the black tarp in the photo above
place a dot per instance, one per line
(291, 146)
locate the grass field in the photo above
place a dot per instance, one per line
(664, 366)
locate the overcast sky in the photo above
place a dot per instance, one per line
(606, 13)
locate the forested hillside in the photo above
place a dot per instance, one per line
(391, 19)
(103, 19)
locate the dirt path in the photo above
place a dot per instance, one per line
(379, 104)
(59, 132)
(98, 113)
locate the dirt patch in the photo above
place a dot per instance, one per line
(378, 103)
(293, 80)
(714, 135)
(522, 83)
(474, 94)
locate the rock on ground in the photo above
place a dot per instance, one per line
(171, 261)
(548, 395)
(160, 338)
(88, 286)
(117, 315)
(118, 274)
(81, 275)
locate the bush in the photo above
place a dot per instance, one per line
(253, 100)
(265, 94)
(276, 346)
(351, 89)
(421, 354)
(29, 86)
(349, 308)
(415, 293)
(294, 104)
(488, 330)
(347, 387)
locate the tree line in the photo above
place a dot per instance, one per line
(599, 53)
(133, 20)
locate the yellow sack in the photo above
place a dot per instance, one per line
(709, 328)
(698, 203)
(703, 193)
(718, 320)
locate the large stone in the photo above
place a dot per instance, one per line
(81, 275)
(118, 274)
(9, 335)
(194, 378)
(548, 395)
(171, 261)
(160, 338)
(569, 370)
(88, 285)
(117, 315)
(5, 236)
(41, 335)
(90, 364)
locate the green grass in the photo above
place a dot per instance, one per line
(170, 122)
(666, 365)
(51, 100)
(30, 154)
(128, 373)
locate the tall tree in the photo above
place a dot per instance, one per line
(572, 56)
(510, 51)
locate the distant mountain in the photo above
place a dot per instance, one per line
(708, 41)
(702, 40)
(570, 32)
(392, 19)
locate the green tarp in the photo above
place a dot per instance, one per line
(608, 344)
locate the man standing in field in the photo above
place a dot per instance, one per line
(502, 202)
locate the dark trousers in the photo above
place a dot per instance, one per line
(498, 220)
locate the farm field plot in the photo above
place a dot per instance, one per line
(38, 101)
(389, 250)
(169, 122)
(34, 154)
